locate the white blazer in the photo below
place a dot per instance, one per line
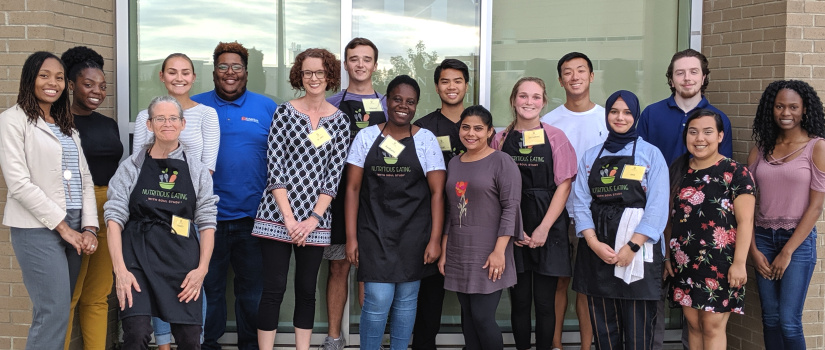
(31, 160)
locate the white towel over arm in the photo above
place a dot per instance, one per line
(627, 225)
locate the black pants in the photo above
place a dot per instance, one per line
(478, 321)
(428, 315)
(137, 332)
(542, 288)
(622, 324)
(276, 256)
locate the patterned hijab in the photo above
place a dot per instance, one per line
(616, 141)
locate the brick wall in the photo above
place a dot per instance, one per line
(749, 44)
(55, 26)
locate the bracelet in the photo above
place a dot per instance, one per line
(315, 215)
(90, 231)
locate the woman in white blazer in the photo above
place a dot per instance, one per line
(50, 206)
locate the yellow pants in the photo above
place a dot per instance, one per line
(91, 293)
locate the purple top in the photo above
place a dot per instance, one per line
(484, 201)
(784, 187)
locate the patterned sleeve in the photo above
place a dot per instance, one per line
(337, 155)
(276, 150)
(211, 137)
(428, 151)
(142, 134)
(741, 180)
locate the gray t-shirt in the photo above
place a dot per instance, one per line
(484, 200)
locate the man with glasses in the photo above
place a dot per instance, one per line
(239, 180)
(364, 107)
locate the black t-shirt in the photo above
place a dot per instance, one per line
(440, 125)
(100, 140)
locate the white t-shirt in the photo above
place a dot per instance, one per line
(426, 148)
(583, 129)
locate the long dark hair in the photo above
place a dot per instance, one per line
(27, 101)
(765, 130)
(680, 166)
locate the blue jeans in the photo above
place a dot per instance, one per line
(163, 330)
(379, 298)
(234, 245)
(783, 300)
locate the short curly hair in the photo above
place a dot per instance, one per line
(78, 59)
(233, 47)
(332, 67)
(765, 130)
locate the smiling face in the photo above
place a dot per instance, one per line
(314, 85)
(451, 87)
(229, 85)
(50, 83)
(529, 101)
(178, 76)
(788, 109)
(168, 130)
(89, 91)
(703, 138)
(687, 77)
(620, 118)
(576, 77)
(401, 104)
(474, 133)
(360, 63)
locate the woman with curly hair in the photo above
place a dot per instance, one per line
(100, 140)
(710, 238)
(787, 164)
(307, 147)
(50, 206)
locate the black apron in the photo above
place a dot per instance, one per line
(159, 258)
(611, 195)
(538, 187)
(394, 216)
(354, 110)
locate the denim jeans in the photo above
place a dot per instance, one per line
(234, 245)
(379, 298)
(163, 330)
(783, 300)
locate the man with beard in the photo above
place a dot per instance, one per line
(239, 180)
(663, 123)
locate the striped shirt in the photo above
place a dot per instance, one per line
(72, 187)
(201, 136)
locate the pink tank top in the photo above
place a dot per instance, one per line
(784, 188)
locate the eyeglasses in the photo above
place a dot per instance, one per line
(162, 120)
(237, 68)
(320, 74)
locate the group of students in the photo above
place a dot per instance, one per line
(442, 203)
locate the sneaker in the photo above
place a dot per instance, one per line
(332, 344)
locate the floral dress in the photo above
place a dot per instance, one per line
(704, 237)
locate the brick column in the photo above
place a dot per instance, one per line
(55, 26)
(749, 44)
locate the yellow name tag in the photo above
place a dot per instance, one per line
(633, 172)
(319, 137)
(534, 137)
(444, 143)
(372, 105)
(180, 226)
(391, 146)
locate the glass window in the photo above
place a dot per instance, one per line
(629, 42)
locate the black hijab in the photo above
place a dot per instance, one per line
(616, 141)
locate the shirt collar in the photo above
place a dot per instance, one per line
(671, 103)
(238, 102)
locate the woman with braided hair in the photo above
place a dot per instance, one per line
(787, 165)
(100, 140)
(50, 205)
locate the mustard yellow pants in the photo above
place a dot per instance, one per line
(94, 284)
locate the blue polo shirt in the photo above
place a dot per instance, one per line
(663, 122)
(240, 173)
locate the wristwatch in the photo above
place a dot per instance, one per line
(315, 215)
(633, 246)
(90, 231)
